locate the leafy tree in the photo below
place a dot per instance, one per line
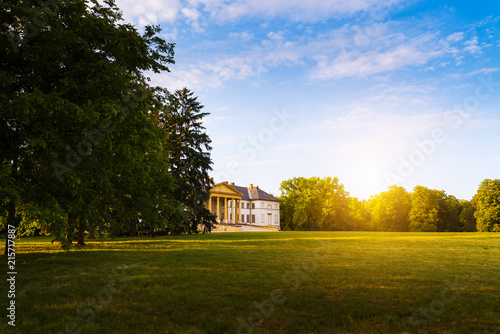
(424, 213)
(360, 214)
(74, 106)
(300, 207)
(434, 211)
(336, 205)
(467, 219)
(188, 150)
(390, 209)
(449, 213)
(311, 204)
(488, 206)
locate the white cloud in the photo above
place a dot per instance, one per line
(456, 37)
(192, 15)
(149, 11)
(297, 10)
(170, 36)
(483, 71)
(415, 52)
(244, 36)
(471, 46)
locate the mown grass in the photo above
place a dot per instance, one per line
(287, 282)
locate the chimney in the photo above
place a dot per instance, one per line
(232, 183)
(226, 182)
(251, 186)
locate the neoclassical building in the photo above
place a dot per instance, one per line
(241, 205)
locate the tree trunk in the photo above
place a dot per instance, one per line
(81, 233)
(70, 231)
(91, 235)
(133, 230)
(11, 220)
(151, 232)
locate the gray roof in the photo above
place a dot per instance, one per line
(254, 194)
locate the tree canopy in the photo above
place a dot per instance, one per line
(324, 204)
(488, 206)
(79, 129)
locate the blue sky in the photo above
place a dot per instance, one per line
(374, 92)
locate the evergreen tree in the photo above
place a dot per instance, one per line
(188, 149)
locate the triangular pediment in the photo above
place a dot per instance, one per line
(224, 189)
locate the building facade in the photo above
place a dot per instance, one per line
(241, 205)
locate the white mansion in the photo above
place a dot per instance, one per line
(241, 205)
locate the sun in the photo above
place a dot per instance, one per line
(369, 180)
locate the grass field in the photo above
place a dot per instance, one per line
(287, 282)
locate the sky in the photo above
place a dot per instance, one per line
(374, 92)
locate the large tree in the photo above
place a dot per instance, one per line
(390, 209)
(488, 206)
(434, 211)
(315, 203)
(424, 213)
(188, 150)
(74, 105)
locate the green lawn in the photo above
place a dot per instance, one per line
(260, 282)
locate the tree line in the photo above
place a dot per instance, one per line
(313, 204)
(88, 145)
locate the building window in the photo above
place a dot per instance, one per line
(253, 205)
(276, 219)
(248, 218)
(243, 218)
(253, 218)
(262, 219)
(242, 205)
(276, 206)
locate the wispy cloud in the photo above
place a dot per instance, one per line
(472, 46)
(483, 71)
(296, 10)
(391, 56)
(455, 37)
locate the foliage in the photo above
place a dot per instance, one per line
(424, 213)
(467, 219)
(323, 204)
(80, 142)
(434, 210)
(188, 150)
(390, 210)
(488, 206)
(315, 204)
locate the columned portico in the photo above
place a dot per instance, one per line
(222, 196)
